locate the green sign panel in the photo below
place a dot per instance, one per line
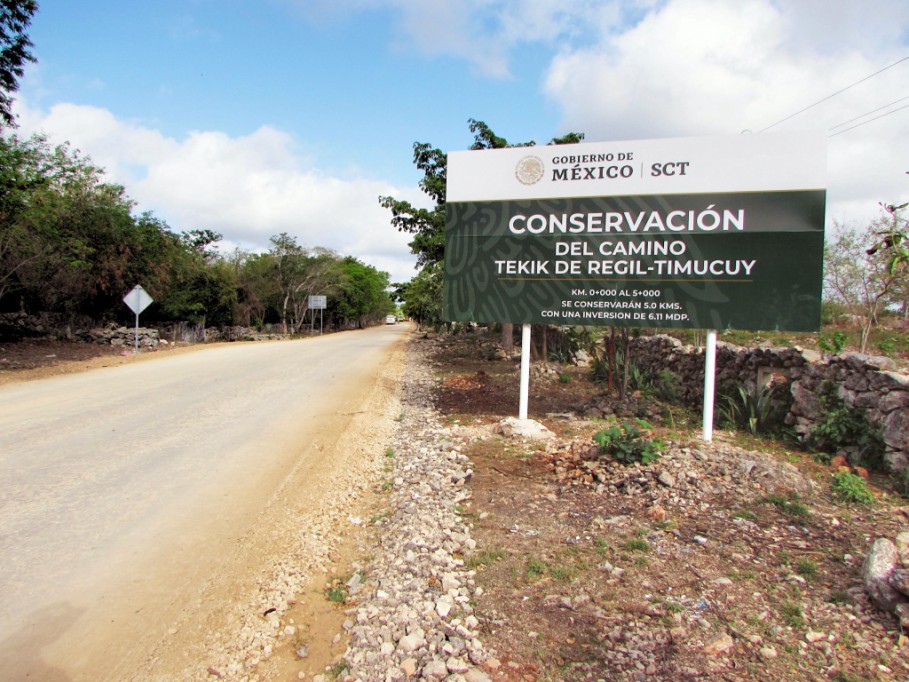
(744, 259)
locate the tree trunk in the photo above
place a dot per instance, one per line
(508, 336)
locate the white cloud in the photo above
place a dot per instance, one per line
(706, 67)
(247, 188)
(481, 32)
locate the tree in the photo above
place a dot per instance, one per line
(428, 225)
(15, 17)
(423, 296)
(361, 295)
(859, 276)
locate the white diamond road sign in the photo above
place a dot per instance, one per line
(138, 299)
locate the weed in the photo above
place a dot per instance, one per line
(793, 614)
(630, 442)
(564, 378)
(336, 592)
(668, 386)
(835, 343)
(745, 514)
(789, 505)
(563, 573)
(535, 569)
(806, 568)
(389, 452)
(337, 670)
(636, 545)
(851, 489)
(485, 557)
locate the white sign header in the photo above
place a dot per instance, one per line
(739, 163)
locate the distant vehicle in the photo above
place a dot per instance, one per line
(391, 319)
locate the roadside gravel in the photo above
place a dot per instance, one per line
(414, 619)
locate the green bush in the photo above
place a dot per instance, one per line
(668, 386)
(843, 427)
(852, 489)
(833, 343)
(630, 442)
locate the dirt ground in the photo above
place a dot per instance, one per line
(39, 358)
(723, 561)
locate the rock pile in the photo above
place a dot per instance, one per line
(886, 576)
(122, 336)
(873, 385)
(415, 619)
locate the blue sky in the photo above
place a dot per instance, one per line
(256, 117)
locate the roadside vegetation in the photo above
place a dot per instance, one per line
(626, 548)
(72, 245)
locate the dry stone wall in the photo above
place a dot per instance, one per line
(868, 383)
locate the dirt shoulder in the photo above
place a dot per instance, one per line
(31, 359)
(725, 561)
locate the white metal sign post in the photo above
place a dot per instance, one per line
(138, 300)
(316, 303)
(709, 385)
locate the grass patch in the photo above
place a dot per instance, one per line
(563, 573)
(535, 569)
(636, 545)
(336, 592)
(793, 615)
(486, 557)
(790, 505)
(806, 568)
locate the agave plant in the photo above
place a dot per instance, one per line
(750, 408)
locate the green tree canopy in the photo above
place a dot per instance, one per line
(15, 17)
(428, 225)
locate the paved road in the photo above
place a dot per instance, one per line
(117, 485)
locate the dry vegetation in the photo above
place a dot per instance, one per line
(729, 561)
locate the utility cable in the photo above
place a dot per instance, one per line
(838, 92)
(867, 113)
(858, 125)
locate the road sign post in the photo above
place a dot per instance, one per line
(138, 300)
(316, 303)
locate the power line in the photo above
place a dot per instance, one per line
(838, 92)
(858, 125)
(867, 113)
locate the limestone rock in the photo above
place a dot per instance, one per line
(879, 565)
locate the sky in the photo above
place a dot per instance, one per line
(256, 117)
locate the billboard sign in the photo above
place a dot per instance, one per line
(711, 233)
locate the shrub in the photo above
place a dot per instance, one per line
(630, 442)
(668, 385)
(852, 489)
(842, 427)
(834, 343)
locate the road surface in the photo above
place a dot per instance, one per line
(123, 489)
